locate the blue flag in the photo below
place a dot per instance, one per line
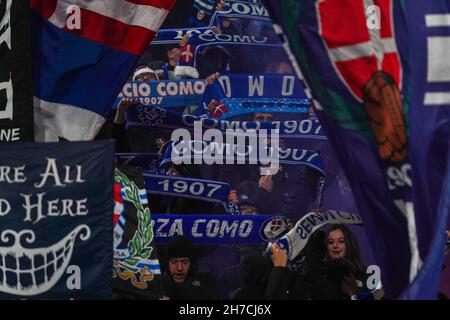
(56, 204)
(423, 27)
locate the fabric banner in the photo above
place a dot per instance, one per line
(210, 229)
(198, 152)
(79, 68)
(16, 99)
(296, 239)
(423, 37)
(136, 266)
(56, 202)
(211, 191)
(157, 118)
(146, 161)
(355, 75)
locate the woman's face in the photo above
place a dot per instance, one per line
(336, 244)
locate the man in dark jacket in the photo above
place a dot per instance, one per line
(181, 282)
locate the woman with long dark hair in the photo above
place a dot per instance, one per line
(333, 265)
(333, 269)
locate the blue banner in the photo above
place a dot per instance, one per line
(211, 191)
(210, 229)
(56, 204)
(423, 31)
(157, 118)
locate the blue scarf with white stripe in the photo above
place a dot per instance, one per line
(156, 118)
(205, 190)
(210, 229)
(286, 156)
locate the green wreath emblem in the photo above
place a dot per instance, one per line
(140, 245)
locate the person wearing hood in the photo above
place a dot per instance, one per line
(181, 281)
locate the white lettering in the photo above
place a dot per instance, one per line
(18, 176)
(245, 228)
(50, 171)
(195, 232)
(255, 85)
(199, 87)
(144, 89)
(288, 91)
(7, 112)
(159, 232)
(176, 228)
(8, 135)
(227, 229)
(161, 89)
(52, 207)
(212, 228)
(5, 207)
(226, 85)
(28, 207)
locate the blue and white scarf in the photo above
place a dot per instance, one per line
(295, 240)
(154, 117)
(210, 229)
(240, 93)
(164, 93)
(210, 151)
(205, 190)
(250, 93)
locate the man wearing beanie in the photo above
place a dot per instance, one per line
(181, 282)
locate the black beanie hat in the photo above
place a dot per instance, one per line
(180, 247)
